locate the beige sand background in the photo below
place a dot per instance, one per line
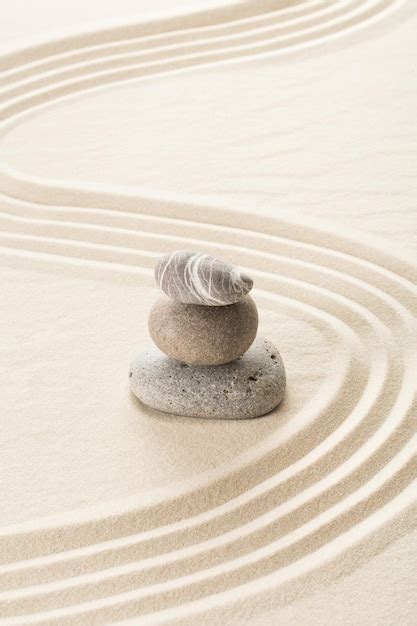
(279, 135)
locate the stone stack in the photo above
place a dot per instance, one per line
(208, 361)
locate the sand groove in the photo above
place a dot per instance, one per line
(282, 34)
(276, 30)
(347, 457)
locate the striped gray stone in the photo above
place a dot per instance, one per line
(197, 278)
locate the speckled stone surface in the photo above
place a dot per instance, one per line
(250, 386)
(203, 335)
(195, 278)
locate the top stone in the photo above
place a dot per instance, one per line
(195, 278)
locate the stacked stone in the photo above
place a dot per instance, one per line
(207, 361)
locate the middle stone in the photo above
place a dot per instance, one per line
(203, 335)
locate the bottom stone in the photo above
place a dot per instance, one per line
(250, 386)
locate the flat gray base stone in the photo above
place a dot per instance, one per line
(250, 386)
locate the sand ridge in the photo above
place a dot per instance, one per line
(340, 468)
(280, 30)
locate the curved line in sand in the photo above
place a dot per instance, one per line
(244, 17)
(276, 30)
(268, 552)
(116, 46)
(334, 20)
(307, 502)
(371, 288)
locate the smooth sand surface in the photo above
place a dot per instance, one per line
(279, 135)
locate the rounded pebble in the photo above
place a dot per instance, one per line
(194, 278)
(250, 386)
(203, 335)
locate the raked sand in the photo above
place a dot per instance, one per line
(280, 136)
